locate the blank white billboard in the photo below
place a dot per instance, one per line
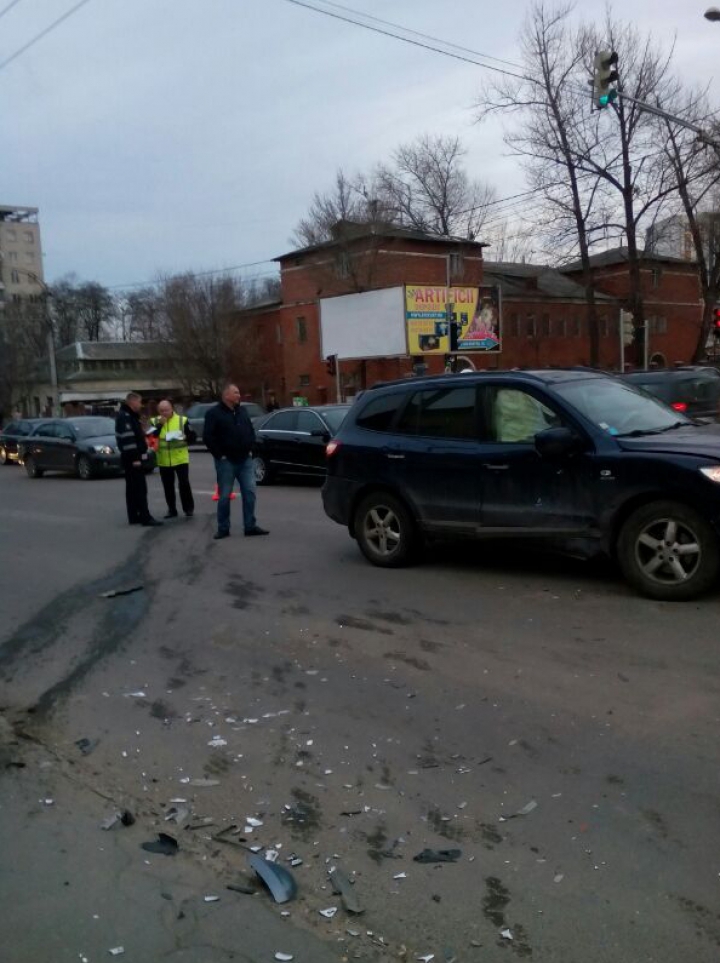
(369, 325)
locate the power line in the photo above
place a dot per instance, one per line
(9, 8)
(43, 33)
(194, 274)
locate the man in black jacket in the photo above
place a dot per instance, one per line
(133, 449)
(229, 436)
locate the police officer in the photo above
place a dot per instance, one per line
(133, 449)
(173, 457)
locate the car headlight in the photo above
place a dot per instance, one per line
(712, 473)
(104, 449)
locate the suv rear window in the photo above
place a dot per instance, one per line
(379, 413)
(441, 413)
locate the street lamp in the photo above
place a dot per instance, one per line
(712, 13)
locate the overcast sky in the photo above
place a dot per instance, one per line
(169, 135)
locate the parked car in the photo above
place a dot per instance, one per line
(84, 446)
(293, 440)
(550, 455)
(11, 434)
(693, 390)
(196, 414)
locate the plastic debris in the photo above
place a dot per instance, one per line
(253, 822)
(426, 959)
(521, 812)
(284, 957)
(211, 899)
(116, 951)
(506, 935)
(217, 741)
(329, 912)
(202, 783)
(112, 593)
(138, 694)
(177, 815)
(400, 876)
(344, 888)
(243, 888)
(278, 880)
(438, 856)
(122, 816)
(86, 746)
(164, 845)
(559, 878)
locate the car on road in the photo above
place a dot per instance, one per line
(84, 446)
(293, 440)
(196, 414)
(13, 433)
(691, 389)
(555, 456)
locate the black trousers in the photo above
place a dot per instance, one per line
(136, 494)
(167, 476)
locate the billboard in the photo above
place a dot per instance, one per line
(472, 322)
(368, 325)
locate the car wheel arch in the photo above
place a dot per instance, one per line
(631, 505)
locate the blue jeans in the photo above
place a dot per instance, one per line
(227, 472)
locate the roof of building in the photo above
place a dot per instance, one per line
(9, 212)
(357, 231)
(620, 255)
(548, 282)
(114, 350)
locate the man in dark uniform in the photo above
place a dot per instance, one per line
(133, 452)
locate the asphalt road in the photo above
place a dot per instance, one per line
(361, 716)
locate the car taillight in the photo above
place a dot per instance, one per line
(679, 406)
(331, 448)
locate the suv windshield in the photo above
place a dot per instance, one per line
(619, 408)
(93, 427)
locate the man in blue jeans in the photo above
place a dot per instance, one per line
(229, 437)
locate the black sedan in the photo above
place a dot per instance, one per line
(293, 440)
(13, 433)
(83, 446)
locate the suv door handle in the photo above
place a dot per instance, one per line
(495, 467)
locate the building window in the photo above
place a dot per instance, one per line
(457, 265)
(577, 328)
(561, 328)
(15, 277)
(658, 325)
(513, 326)
(305, 381)
(343, 265)
(278, 333)
(301, 328)
(545, 326)
(12, 256)
(531, 326)
(656, 277)
(29, 237)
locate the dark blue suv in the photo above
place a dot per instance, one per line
(554, 455)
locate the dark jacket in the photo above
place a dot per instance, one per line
(129, 435)
(228, 433)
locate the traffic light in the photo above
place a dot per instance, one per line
(628, 328)
(604, 77)
(331, 365)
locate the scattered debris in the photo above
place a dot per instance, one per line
(217, 741)
(521, 812)
(202, 783)
(122, 816)
(164, 845)
(211, 899)
(138, 694)
(426, 959)
(177, 815)
(116, 951)
(243, 888)
(127, 590)
(506, 935)
(559, 878)
(438, 856)
(344, 888)
(351, 812)
(201, 823)
(278, 880)
(284, 957)
(400, 876)
(224, 835)
(252, 822)
(86, 746)
(329, 912)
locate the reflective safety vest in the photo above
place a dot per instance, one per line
(171, 451)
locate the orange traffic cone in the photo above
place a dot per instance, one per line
(216, 495)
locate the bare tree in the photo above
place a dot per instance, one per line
(80, 312)
(347, 201)
(143, 316)
(696, 170)
(554, 125)
(427, 188)
(23, 351)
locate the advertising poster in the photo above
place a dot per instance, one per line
(472, 324)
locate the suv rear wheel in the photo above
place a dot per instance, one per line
(31, 468)
(384, 530)
(669, 552)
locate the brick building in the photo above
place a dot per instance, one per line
(545, 318)
(671, 294)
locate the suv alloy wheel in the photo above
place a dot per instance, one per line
(384, 530)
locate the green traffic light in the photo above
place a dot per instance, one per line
(609, 98)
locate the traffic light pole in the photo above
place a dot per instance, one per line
(673, 118)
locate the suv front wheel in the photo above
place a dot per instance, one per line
(669, 552)
(384, 530)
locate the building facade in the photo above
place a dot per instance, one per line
(21, 262)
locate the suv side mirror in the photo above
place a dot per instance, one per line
(555, 442)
